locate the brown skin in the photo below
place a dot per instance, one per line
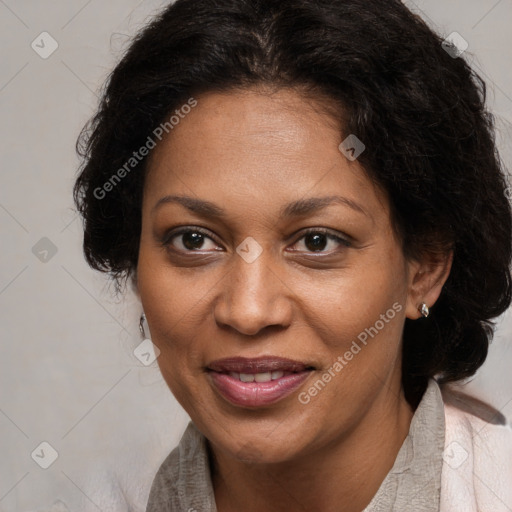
(252, 152)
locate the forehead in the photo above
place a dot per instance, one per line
(270, 147)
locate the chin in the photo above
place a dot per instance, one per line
(256, 445)
(263, 453)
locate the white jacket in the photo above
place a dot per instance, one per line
(477, 469)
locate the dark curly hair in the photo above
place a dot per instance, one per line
(420, 111)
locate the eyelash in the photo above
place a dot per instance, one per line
(167, 239)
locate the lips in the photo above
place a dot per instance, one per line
(257, 365)
(257, 382)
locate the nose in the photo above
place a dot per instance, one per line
(254, 296)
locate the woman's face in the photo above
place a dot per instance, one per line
(247, 294)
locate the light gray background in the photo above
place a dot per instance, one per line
(68, 375)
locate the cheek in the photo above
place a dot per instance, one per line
(368, 295)
(360, 325)
(171, 296)
(169, 299)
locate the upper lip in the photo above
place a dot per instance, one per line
(257, 365)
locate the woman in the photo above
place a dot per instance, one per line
(307, 196)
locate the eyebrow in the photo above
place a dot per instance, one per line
(299, 208)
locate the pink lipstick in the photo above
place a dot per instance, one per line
(258, 381)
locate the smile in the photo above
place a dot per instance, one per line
(257, 382)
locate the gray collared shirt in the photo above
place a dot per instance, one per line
(183, 483)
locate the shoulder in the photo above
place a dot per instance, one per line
(477, 460)
(122, 483)
(133, 485)
(164, 485)
(182, 481)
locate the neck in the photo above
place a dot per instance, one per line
(344, 475)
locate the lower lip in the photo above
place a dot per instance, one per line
(256, 394)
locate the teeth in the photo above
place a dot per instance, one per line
(258, 377)
(263, 377)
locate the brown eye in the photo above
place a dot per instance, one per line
(189, 240)
(316, 240)
(193, 240)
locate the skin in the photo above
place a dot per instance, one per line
(252, 152)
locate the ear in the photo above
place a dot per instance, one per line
(426, 280)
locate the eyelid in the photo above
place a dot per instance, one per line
(329, 233)
(172, 233)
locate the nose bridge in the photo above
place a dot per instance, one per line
(253, 295)
(252, 279)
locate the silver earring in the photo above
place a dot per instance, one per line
(146, 352)
(141, 326)
(424, 310)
